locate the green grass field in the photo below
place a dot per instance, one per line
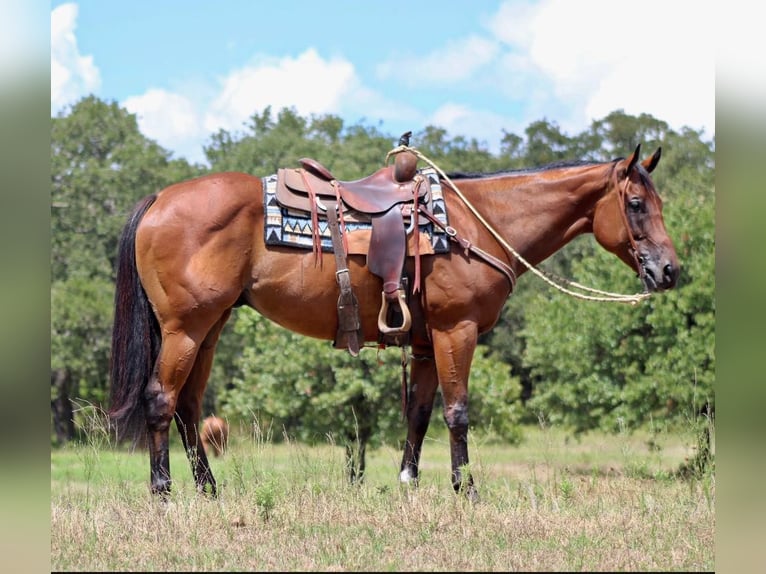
(603, 502)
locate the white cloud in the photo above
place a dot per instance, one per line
(655, 57)
(170, 119)
(308, 83)
(72, 74)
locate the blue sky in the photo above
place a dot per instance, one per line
(187, 69)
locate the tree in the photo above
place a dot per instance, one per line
(456, 154)
(546, 144)
(607, 366)
(618, 133)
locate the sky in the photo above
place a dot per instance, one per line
(477, 69)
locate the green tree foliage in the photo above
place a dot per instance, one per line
(494, 398)
(101, 165)
(267, 144)
(617, 134)
(545, 143)
(456, 154)
(309, 390)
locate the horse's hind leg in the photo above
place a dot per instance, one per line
(177, 356)
(189, 409)
(423, 386)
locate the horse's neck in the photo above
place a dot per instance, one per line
(540, 212)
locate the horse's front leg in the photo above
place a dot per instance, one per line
(423, 385)
(454, 351)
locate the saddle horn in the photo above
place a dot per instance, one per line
(406, 162)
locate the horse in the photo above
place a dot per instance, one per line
(214, 435)
(195, 250)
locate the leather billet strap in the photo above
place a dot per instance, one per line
(313, 201)
(349, 326)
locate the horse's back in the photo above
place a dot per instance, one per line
(209, 196)
(205, 205)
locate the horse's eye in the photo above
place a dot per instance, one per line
(635, 204)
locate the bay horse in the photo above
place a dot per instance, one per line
(193, 251)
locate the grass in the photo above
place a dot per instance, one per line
(599, 503)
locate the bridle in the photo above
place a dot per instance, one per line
(622, 196)
(623, 192)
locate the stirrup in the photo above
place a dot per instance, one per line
(406, 317)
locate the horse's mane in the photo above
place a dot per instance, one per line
(554, 165)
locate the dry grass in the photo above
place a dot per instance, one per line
(607, 503)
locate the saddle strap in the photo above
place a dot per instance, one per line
(451, 232)
(349, 327)
(317, 247)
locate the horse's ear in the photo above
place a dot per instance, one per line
(651, 162)
(633, 159)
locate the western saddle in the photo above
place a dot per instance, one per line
(387, 196)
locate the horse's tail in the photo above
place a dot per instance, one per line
(135, 336)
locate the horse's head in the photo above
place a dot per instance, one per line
(628, 222)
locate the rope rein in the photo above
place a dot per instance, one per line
(598, 295)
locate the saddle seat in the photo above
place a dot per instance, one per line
(374, 194)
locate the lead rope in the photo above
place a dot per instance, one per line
(603, 296)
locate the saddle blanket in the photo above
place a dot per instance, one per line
(291, 228)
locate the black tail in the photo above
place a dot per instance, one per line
(135, 337)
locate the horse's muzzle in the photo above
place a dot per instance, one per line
(659, 277)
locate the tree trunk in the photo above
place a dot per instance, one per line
(61, 406)
(356, 445)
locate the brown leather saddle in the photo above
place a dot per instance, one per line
(387, 197)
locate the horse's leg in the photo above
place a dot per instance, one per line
(177, 356)
(454, 352)
(423, 385)
(189, 409)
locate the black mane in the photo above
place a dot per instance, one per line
(554, 165)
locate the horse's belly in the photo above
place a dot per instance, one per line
(301, 295)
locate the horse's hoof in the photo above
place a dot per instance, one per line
(161, 489)
(407, 478)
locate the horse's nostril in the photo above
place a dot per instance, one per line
(670, 272)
